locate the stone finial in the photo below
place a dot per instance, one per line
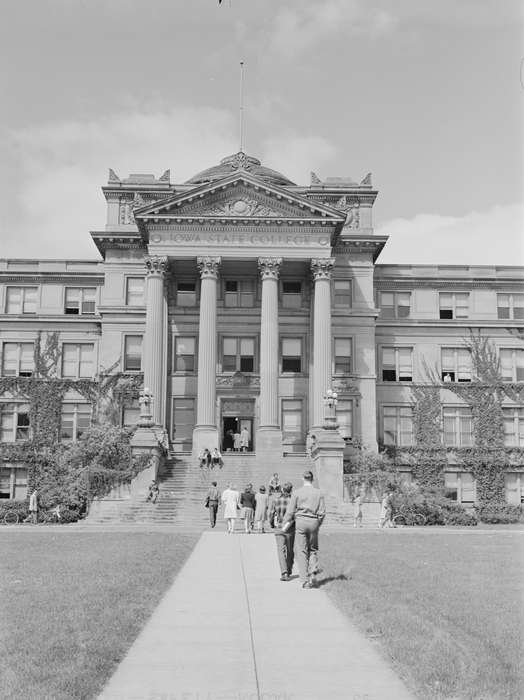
(322, 268)
(366, 180)
(165, 177)
(113, 177)
(156, 265)
(269, 267)
(138, 201)
(315, 180)
(208, 267)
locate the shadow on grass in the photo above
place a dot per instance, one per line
(329, 579)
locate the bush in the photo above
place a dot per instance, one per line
(433, 505)
(67, 515)
(499, 513)
(457, 515)
(20, 507)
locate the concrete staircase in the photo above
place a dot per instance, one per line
(183, 487)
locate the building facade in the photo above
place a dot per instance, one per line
(242, 298)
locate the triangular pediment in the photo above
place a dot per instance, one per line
(238, 196)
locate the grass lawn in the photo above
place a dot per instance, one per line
(446, 608)
(73, 602)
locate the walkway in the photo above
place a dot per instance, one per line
(229, 629)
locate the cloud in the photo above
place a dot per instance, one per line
(301, 27)
(492, 237)
(295, 156)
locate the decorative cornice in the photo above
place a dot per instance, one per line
(269, 268)
(66, 278)
(322, 268)
(208, 267)
(156, 265)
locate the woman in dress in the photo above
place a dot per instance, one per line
(244, 439)
(248, 503)
(261, 509)
(236, 441)
(357, 510)
(231, 503)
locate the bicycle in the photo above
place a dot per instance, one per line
(11, 517)
(407, 518)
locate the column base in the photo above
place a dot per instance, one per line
(204, 436)
(328, 457)
(269, 443)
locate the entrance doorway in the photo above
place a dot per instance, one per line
(232, 426)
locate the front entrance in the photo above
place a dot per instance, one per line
(232, 434)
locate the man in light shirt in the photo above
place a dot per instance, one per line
(308, 510)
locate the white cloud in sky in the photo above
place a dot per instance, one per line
(302, 26)
(492, 237)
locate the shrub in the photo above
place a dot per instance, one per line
(20, 507)
(499, 513)
(457, 515)
(432, 504)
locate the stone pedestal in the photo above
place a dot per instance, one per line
(145, 442)
(269, 435)
(327, 454)
(205, 433)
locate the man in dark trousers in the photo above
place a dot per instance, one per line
(212, 501)
(285, 539)
(308, 509)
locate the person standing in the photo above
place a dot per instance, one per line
(386, 511)
(357, 510)
(236, 441)
(231, 502)
(261, 509)
(33, 507)
(285, 539)
(244, 439)
(308, 509)
(248, 503)
(212, 501)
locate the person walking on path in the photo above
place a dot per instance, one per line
(33, 507)
(357, 510)
(285, 539)
(386, 511)
(308, 509)
(248, 503)
(231, 502)
(244, 439)
(261, 509)
(153, 491)
(212, 501)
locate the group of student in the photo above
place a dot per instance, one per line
(207, 459)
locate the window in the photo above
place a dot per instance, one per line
(342, 294)
(186, 293)
(342, 355)
(514, 487)
(21, 300)
(183, 419)
(345, 418)
(291, 294)
(132, 353)
(398, 425)
(239, 293)
(512, 365)
(77, 360)
(460, 487)
(458, 427)
(130, 413)
(80, 301)
(238, 354)
(397, 364)
(18, 360)
(184, 354)
(395, 304)
(75, 420)
(513, 427)
(135, 291)
(454, 305)
(291, 355)
(14, 422)
(292, 430)
(510, 306)
(456, 365)
(13, 482)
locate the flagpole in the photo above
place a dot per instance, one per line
(241, 101)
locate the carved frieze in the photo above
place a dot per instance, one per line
(350, 206)
(238, 379)
(243, 206)
(322, 268)
(238, 407)
(269, 267)
(156, 265)
(208, 267)
(343, 385)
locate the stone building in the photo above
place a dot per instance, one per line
(243, 298)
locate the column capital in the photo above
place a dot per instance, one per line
(208, 267)
(322, 268)
(269, 267)
(156, 265)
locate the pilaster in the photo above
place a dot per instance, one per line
(322, 269)
(155, 335)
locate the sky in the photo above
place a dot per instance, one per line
(427, 95)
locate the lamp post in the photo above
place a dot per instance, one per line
(330, 411)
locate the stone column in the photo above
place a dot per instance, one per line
(322, 268)
(154, 337)
(269, 435)
(205, 433)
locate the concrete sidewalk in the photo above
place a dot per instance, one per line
(229, 629)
